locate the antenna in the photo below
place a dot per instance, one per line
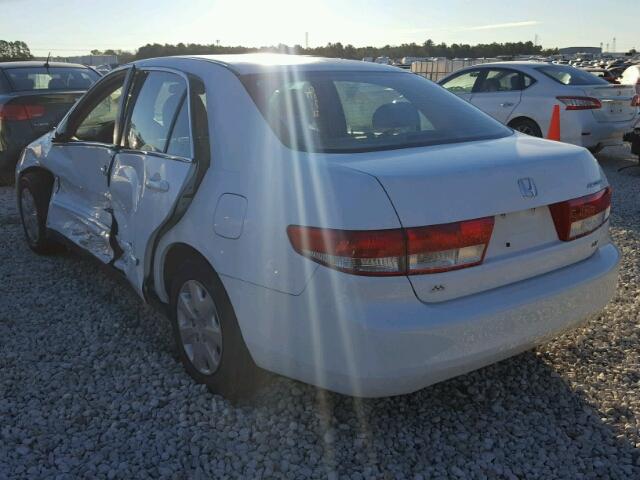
(614, 45)
(46, 63)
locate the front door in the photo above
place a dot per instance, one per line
(81, 157)
(150, 172)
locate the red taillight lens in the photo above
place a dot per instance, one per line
(412, 251)
(580, 103)
(440, 248)
(581, 216)
(375, 252)
(636, 101)
(18, 112)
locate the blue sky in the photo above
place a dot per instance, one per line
(68, 27)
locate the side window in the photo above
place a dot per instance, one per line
(4, 86)
(99, 124)
(159, 97)
(498, 80)
(528, 81)
(462, 83)
(180, 140)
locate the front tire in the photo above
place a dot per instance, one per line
(526, 126)
(34, 193)
(207, 335)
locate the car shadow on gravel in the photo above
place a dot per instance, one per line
(515, 419)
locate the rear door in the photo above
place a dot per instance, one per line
(155, 167)
(499, 92)
(463, 84)
(81, 157)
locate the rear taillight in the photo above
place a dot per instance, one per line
(581, 216)
(361, 252)
(452, 246)
(635, 102)
(580, 103)
(16, 112)
(411, 251)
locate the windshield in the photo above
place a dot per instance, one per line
(341, 112)
(570, 75)
(52, 78)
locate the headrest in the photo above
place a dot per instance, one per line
(57, 84)
(23, 83)
(396, 115)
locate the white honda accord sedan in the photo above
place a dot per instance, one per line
(343, 223)
(594, 113)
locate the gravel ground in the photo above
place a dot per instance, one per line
(90, 388)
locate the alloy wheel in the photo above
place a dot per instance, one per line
(199, 326)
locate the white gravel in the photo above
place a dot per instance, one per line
(90, 388)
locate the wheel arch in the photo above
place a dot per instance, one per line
(523, 117)
(172, 257)
(528, 118)
(36, 169)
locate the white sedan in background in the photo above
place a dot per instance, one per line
(594, 113)
(347, 224)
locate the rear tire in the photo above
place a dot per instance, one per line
(526, 126)
(207, 334)
(34, 193)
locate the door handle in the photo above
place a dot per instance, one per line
(506, 104)
(157, 184)
(104, 170)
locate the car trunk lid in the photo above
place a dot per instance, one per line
(43, 111)
(616, 102)
(513, 180)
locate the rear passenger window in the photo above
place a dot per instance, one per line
(159, 98)
(180, 141)
(502, 81)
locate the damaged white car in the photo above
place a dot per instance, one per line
(347, 224)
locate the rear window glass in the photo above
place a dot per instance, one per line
(341, 112)
(53, 78)
(570, 75)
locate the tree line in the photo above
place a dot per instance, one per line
(10, 51)
(20, 51)
(337, 50)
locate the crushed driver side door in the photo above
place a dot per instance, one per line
(80, 157)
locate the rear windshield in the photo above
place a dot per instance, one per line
(53, 78)
(570, 76)
(342, 112)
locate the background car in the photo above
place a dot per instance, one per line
(603, 73)
(33, 98)
(348, 224)
(522, 95)
(631, 77)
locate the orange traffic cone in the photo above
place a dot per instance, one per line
(554, 126)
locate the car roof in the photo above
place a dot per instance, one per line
(248, 63)
(510, 64)
(32, 63)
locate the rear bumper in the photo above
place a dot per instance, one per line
(581, 128)
(371, 337)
